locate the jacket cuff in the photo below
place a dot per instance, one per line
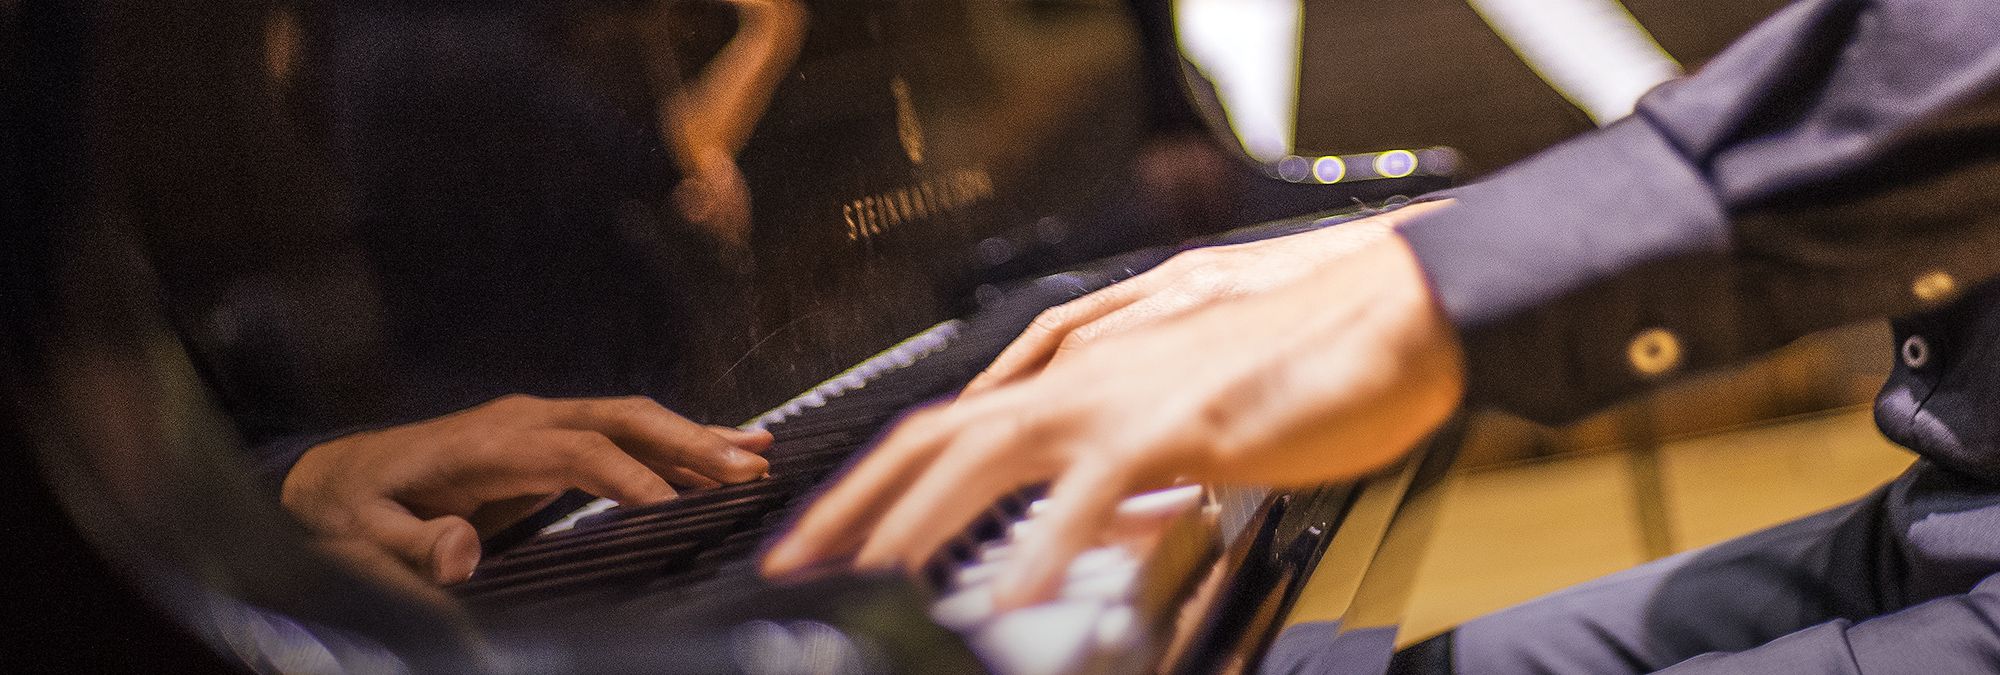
(1578, 213)
(1567, 274)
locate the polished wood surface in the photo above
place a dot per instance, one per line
(1510, 533)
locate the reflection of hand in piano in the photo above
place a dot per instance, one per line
(1324, 378)
(410, 490)
(711, 117)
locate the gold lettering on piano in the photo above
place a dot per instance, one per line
(870, 216)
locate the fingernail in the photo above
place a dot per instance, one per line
(454, 559)
(748, 460)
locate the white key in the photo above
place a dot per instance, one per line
(1045, 639)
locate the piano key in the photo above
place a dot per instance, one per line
(680, 523)
(705, 544)
(706, 533)
(1061, 635)
(750, 505)
(656, 558)
(595, 507)
(692, 499)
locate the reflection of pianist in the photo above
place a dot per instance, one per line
(709, 119)
(497, 185)
(1837, 164)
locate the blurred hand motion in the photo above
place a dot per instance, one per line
(1311, 358)
(414, 490)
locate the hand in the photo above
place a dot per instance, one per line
(1328, 377)
(708, 120)
(1185, 283)
(715, 197)
(410, 489)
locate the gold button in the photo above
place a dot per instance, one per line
(1934, 287)
(1654, 352)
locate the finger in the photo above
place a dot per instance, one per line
(747, 440)
(590, 461)
(833, 526)
(682, 478)
(444, 549)
(662, 439)
(1081, 504)
(1029, 351)
(960, 484)
(1146, 515)
(495, 516)
(370, 560)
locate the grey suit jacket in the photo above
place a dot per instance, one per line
(1839, 163)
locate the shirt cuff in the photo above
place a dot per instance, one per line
(1578, 213)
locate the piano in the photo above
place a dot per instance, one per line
(253, 225)
(1122, 609)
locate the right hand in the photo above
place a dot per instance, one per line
(1328, 378)
(410, 489)
(1185, 283)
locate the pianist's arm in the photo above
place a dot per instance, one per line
(1836, 164)
(709, 118)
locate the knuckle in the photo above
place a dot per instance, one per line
(571, 449)
(582, 409)
(926, 418)
(1195, 259)
(1212, 282)
(637, 403)
(924, 424)
(1182, 260)
(1054, 318)
(631, 480)
(479, 451)
(632, 408)
(1077, 339)
(512, 403)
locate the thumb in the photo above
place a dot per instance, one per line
(444, 549)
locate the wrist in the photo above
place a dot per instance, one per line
(1436, 349)
(301, 485)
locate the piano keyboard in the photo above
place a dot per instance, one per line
(596, 550)
(1117, 601)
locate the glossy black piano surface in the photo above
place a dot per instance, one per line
(245, 227)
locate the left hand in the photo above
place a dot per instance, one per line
(412, 490)
(1328, 377)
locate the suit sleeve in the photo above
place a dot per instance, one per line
(1945, 635)
(1840, 162)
